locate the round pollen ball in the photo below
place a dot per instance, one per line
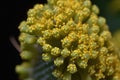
(55, 51)
(72, 68)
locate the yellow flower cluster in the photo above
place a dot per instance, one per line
(71, 34)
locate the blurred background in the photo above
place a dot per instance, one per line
(13, 12)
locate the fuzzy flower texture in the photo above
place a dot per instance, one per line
(72, 35)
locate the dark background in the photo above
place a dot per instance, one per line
(13, 12)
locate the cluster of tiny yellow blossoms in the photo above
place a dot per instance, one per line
(70, 33)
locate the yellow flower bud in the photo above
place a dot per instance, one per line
(94, 54)
(56, 33)
(57, 73)
(27, 38)
(95, 29)
(75, 53)
(103, 50)
(47, 34)
(66, 42)
(87, 3)
(46, 56)
(58, 61)
(47, 47)
(24, 68)
(65, 52)
(82, 63)
(94, 37)
(55, 51)
(106, 35)
(95, 9)
(41, 41)
(72, 68)
(23, 27)
(101, 21)
(27, 55)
